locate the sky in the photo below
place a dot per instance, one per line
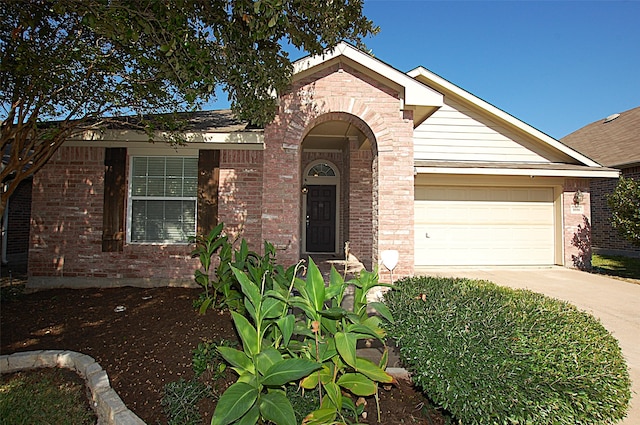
(556, 65)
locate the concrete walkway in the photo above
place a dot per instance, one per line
(616, 303)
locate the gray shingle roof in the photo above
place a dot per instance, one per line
(613, 144)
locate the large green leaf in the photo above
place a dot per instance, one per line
(267, 358)
(249, 288)
(324, 375)
(346, 346)
(234, 403)
(249, 418)
(289, 370)
(315, 286)
(286, 325)
(372, 371)
(248, 334)
(383, 310)
(358, 384)
(271, 308)
(276, 407)
(237, 358)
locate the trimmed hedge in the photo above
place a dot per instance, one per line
(494, 355)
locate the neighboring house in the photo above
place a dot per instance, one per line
(358, 152)
(613, 142)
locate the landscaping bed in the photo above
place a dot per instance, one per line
(144, 339)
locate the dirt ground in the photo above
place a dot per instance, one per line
(149, 344)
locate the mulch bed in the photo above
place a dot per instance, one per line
(150, 344)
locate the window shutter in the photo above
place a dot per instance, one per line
(208, 177)
(114, 199)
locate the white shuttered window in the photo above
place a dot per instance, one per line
(163, 199)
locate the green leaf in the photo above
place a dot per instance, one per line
(204, 306)
(276, 407)
(271, 308)
(346, 346)
(320, 417)
(334, 312)
(315, 286)
(250, 418)
(372, 371)
(324, 375)
(289, 370)
(333, 391)
(248, 334)
(383, 310)
(237, 358)
(249, 288)
(267, 358)
(234, 403)
(286, 325)
(358, 384)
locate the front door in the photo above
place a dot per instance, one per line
(321, 219)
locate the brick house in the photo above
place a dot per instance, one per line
(613, 142)
(359, 151)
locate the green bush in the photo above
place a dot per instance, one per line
(493, 355)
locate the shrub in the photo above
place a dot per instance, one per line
(493, 355)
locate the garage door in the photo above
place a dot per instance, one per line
(473, 226)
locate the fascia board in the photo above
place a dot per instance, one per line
(207, 140)
(415, 93)
(447, 86)
(588, 173)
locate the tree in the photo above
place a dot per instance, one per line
(70, 65)
(625, 207)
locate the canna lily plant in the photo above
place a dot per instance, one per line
(314, 348)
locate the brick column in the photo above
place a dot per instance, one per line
(577, 224)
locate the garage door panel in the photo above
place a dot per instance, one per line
(484, 226)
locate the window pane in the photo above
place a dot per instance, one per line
(139, 166)
(139, 186)
(155, 186)
(156, 166)
(174, 186)
(190, 186)
(174, 167)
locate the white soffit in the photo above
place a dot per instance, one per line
(430, 78)
(415, 93)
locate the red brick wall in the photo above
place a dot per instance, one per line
(240, 195)
(605, 237)
(577, 225)
(66, 229)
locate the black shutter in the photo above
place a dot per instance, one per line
(114, 198)
(208, 177)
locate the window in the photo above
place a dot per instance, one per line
(163, 199)
(321, 170)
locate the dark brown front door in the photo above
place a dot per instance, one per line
(321, 219)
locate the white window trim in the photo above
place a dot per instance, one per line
(130, 198)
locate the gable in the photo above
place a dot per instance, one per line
(459, 132)
(543, 147)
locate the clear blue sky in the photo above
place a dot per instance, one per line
(556, 65)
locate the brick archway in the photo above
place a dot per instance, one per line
(340, 93)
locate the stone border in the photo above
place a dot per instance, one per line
(106, 403)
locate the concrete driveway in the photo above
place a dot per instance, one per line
(616, 303)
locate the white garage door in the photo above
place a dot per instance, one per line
(473, 226)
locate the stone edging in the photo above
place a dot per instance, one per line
(107, 404)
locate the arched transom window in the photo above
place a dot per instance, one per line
(321, 170)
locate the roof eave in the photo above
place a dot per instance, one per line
(532, 172)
